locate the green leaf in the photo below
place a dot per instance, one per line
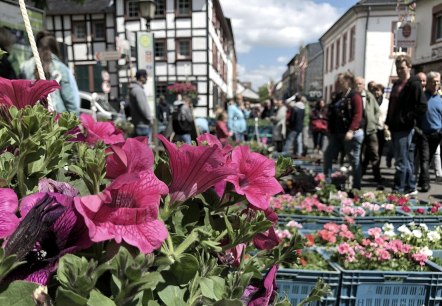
(68, 297)
(185, 269)
(212, 288)
(2, 53)
(18, 293)
(152, 303)
(96, 298)
(173, 296)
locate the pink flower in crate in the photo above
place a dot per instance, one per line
(365, 242)
(389, 207)
(420, 211)
(347, 202)
(194, 169)
(22, 93)
(320, 177)
(359, 211)
(327, 236)
(347, 234)
(406, 209)
(127, 210)
(376, 232)
(132, 156)
(104, 131)
(369, 195)
(332, 227)
(382, 254)
(254, 177)
(420, 258)
(293, 223)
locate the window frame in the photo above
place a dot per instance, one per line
(126, 10)
(436, 12)
(338, 53)
(93, 32)
(352, 51)
(178, 56)
(332, 55)
(177, 11)
(164, 11)
(326, 59)
(344, 49)
(74, 33)
(393, 53)
(162, 41)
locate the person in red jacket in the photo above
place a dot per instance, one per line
(346, 127)
(222, 132)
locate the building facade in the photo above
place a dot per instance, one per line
(193, 43)
(363, 41)
(428, 52)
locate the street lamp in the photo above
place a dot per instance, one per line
(147, 10)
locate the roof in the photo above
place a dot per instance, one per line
(249, 94)
(71, 7)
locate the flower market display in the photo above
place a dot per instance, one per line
(90, 218)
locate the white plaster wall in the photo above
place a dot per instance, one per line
(424, 18)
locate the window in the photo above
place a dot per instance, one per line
(183, 7)
(395, 49)
(99, 30)
(436, 28)
(132, 9)
(160, 11)
(214, 55)
(332, 55)
(79, 31)
(184, 49)
(161, 89)
(325, 94)
(88, 77)
(352, 44)
(326, 60)
(338, 48)
(344, 49)
(160, 50)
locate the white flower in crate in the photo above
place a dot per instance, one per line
(404, 230)
(425, 250)
(433, 236)
(417, 233)
(424, 226)
(388, 229)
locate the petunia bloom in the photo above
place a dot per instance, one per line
(263, 295)
(22, 93)
(267, 240)
(49, 228)
(104, 131)
(127, 210)
(132, 156)
(49, 185)
(194, 169)
(254, 177)
(8, 208)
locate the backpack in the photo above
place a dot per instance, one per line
(179, 123)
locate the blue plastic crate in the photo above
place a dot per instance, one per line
(392, 288)
(309, 223)
(297, 284)
(430, 220)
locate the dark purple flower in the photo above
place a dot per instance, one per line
(49, 228)
(262, 295)
(267, 240)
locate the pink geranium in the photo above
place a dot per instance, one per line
(132, 156)
(127, 210)
(254, 177)
(194, 169)
(104, 131)
(8, 208)
(22, 93)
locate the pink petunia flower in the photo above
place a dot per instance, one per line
(22, 93)
(376, 232)
(254, 177)
(127, 210)
(8, 208)
(132, 156)
(194, 169)
(104, 131)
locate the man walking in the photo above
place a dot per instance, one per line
(140, 111)
(407, 104)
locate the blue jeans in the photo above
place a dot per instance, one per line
(291, 137)
(144, 130)
(403, 148)
(352, 148)
(186, 138)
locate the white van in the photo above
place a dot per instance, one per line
(104, 111)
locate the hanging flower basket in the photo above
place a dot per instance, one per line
(184, 89)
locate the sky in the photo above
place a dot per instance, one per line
(268, 33)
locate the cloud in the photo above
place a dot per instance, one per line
(278, 23)
(261, 74)
(282, 59)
